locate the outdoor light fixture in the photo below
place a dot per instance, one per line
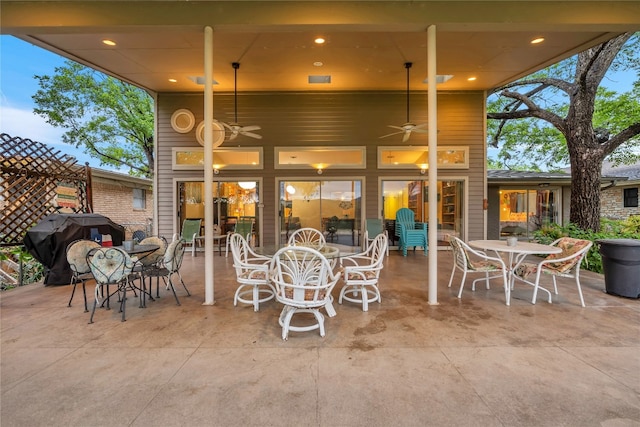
(290, 189)
(319, 171)
(216, 171)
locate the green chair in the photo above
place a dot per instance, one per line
(373, 227)
(410, 232)
(244, 227)
(191, 232)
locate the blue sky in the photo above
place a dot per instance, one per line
(20, 61)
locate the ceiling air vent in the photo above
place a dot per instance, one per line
(319, 79)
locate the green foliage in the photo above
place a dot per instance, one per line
(610, 229)
(110, 119)
(32, 270)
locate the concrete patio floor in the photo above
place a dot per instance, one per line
(468, 362)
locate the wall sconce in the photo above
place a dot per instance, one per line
(423, 171)
(216, 171)
(319, 171)
(423, 168)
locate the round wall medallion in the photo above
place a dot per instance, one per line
(218, 133)
(182, 120)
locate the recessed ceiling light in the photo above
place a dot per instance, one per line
(173, 80)
(472, 79)
(109, 42)
(319, 40)
(318, 64)
(537, 40)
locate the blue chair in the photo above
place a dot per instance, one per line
(410, 232)
(373, 227)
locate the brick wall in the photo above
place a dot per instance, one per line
(612, 204)
(115, 201)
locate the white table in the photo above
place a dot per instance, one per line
(516, 255)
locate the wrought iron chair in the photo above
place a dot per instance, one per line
(373, 227)
(362, 272)
(110, 266)
(149, 263)
(252, 274)
(469, 260)
(307, 237)
(80, 272)
(303, 280)
(564, 264)
(410, 232)
(170, 265)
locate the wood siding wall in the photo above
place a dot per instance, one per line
(326, 119)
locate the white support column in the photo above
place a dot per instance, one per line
(432, 106)
(208, 166)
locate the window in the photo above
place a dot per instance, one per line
(139, 198)
(631, 197)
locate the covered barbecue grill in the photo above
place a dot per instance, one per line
(47, 241)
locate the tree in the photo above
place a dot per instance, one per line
(592, 128)
(110, 119)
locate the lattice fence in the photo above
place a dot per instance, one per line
(37, 181)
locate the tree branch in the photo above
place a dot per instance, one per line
(621, 137)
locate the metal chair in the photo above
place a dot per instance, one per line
(110, 266)
(362, 272)
(307, 237)
(76, 253)
(469, 260)
(170, 265)
(410, 232)
(147, 264)
(252, 274)
(303, 280)
(565, 264)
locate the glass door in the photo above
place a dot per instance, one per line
(523, 211)
(232, 201)
(414, 195)
(334, 207)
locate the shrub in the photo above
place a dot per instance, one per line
(32, 270)
(609, 229)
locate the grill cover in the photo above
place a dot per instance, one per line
(47, 241)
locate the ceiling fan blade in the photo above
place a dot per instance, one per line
(250, 128)
(420, 126)
(234, 135)
(406, 136)
(391, 134)
(228, 126)
(420, 131)
(251, 135)
(396, 127)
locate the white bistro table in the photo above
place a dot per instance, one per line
(516, 254)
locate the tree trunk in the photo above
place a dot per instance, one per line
(586, 166)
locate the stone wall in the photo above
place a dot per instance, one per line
(612, 204)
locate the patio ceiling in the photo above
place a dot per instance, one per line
(367, 43)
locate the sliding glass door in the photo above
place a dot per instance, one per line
(331, 206)
(413, 194)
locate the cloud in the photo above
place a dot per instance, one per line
(26, 124)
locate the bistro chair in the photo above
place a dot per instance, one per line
(110, 266)
(564, 264)
(307, 237)
(149, 263)
(169, 266)
(252, 274)
(410, 232)
(303, 280)
(469, 260)
(362, 272)
(80, 272)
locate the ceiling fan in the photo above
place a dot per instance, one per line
(408, 127)
(235, 128)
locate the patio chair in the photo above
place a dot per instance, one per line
(469, 260)
(76, 253)
(110, 266)
(244, 227)
(252, 274)
(362, 272)
(190, 232)
(564, 264)
(303, 280)
(307, 237)
(410, 232)
(373, 227)
(168, 266)
(147, 264)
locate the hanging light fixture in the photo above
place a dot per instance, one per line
(248, 185)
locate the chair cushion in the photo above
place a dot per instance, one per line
(569, 247)
(309, 294)
(368, 274)
(484, 265)
(253, 274)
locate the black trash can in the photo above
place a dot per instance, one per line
(621, 264)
